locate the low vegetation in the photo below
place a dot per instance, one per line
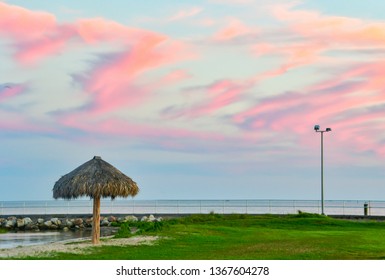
(214, 236)
(137, 227)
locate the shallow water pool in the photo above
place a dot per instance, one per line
(15, 239)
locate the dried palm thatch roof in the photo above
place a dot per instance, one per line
(95, 178)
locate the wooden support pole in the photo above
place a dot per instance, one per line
(96, 221)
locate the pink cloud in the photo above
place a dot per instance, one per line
(36, 34)
(11, 90)
(285, 12)
(97, 30)
(86, 31)
(316, 36)
(352, 103)
(174, 76)
(263, 48)
(235, 28)
(23, 24)
(30, 52)
(333, 30)
(291, 55)
(223, 93)
(112, 83)
(214, 97)
(186, 14)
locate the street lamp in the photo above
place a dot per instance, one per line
(317, 129)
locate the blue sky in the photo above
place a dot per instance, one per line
(208, 99)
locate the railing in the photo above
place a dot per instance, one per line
(52, 207)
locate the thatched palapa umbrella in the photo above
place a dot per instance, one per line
(95, 178)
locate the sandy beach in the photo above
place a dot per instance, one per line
(81, 245)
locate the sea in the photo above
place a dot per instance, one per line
(159, 207)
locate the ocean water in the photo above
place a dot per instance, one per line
(140, 207)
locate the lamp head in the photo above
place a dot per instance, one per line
(316, 127)
(328, 129)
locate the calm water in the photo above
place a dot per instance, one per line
(130, 206)
(15, 239)
(12, 240)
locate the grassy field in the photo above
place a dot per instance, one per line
(213, 236)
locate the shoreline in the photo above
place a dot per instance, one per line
(66, 246)
(24, 238)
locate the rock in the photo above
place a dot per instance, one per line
(159, 219)
(78, 222)
(66, 229)
(31, 226)
(131, 219)
(104, 222)
(144, 219)
(112, 219)
(10, 223)
(81, 226)
(56, 221)
(53, 226)
(69, 223)
(27, 221)
(88, 222)
(151, 218)
(48, 224)
(20, 223)
(63, 223)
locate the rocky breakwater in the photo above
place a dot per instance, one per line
(27, 224)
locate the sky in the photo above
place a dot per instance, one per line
(212, 99)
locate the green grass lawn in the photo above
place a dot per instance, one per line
(298, 237)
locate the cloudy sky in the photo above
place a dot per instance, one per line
(195, 99)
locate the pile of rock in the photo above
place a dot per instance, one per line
(14, 223)
(150, 218)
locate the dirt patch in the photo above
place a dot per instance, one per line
(76, 246)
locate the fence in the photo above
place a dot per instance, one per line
(62, 207)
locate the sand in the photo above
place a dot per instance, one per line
(69, 246)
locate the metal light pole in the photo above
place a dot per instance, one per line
(317, 129)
